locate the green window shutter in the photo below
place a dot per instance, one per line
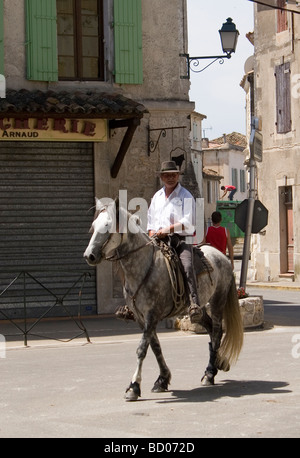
(41, 40)
(1, 39)
(128, 41)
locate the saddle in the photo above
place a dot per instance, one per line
(201, 263)
(179, 285)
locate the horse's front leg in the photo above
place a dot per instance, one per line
(133, 392)
(164, 378)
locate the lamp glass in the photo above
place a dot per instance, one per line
(229, 36)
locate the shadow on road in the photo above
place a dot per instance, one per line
(229, 388)
(281, 314)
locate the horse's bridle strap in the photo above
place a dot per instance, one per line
(116, 256)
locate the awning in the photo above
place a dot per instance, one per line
(120, 111)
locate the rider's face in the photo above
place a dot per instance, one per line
(170, 180)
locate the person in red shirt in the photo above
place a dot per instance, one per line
(219, 237)
(230, 189)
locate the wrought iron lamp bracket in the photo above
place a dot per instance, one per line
(193, 63)
(152, 145)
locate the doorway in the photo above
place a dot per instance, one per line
(286, 231)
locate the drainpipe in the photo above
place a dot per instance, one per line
(250, 212)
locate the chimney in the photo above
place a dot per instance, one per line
(205, 142)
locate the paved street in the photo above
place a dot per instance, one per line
(75, 389)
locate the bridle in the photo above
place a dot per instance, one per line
(116, 255)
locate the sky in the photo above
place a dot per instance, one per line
(216, 91)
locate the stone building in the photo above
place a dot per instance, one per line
(95, 100)
(276, 250)
(224, 157)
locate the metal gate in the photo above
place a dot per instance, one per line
(46, 191)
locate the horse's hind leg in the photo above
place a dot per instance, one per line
(164, 378)
(215, 336)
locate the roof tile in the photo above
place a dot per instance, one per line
(93, 104)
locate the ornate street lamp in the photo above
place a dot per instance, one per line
(229, 36)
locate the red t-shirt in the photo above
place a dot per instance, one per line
(216, 236)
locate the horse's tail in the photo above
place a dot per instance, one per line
(234, 331)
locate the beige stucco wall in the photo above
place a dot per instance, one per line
(281, 152)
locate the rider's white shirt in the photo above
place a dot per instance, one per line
(179, 207)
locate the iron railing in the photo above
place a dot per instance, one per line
(58, 302)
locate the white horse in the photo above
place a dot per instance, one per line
(149, 294)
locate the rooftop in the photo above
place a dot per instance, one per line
(234, 139)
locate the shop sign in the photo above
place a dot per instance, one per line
(53, 129)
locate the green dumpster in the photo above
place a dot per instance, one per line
(227, 210)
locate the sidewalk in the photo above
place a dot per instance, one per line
(282, 285)
(63, 331)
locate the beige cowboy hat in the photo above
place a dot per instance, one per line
(168, 167)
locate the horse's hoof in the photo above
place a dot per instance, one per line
(130, 395)
(158, 389)
(161, 385)
(207, 381)
(133, 392)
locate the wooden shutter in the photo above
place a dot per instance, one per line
(1, 39)
(242, 181)
(234, 177)
(128, 41)
(281, 17)
(283, 98)
(41, 40)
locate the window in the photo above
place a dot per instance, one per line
(242, 181)
(281, 17)
(65, 40)
(80, 39)
(195, 131)
(209, 192)
(283, 98)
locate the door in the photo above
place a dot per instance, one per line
(290, 237)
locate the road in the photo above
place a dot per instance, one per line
(76, 389)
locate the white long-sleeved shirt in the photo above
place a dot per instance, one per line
(179, 207)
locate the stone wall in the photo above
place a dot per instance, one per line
(252, 310)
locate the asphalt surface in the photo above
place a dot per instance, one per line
(75, 389)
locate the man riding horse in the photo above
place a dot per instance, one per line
(172, 213)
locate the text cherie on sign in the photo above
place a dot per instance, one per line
(53, 129)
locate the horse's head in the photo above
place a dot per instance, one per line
(105, 237)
